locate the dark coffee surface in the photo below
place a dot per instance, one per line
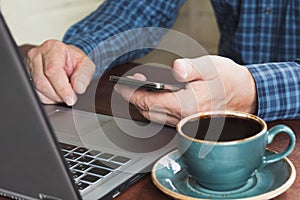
(221, 128)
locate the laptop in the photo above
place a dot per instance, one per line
(56, 152)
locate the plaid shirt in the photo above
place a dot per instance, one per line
(262, 35)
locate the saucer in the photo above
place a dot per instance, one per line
(170, 176)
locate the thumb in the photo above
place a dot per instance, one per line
(202, 68)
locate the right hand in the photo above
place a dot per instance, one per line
(59, 71)
(213, 83)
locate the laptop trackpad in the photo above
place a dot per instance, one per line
(98, 130)
(72, 122)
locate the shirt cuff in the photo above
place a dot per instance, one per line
(278, 90)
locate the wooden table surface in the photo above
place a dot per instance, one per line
(144, 189)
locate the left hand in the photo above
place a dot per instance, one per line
(59, 71)
(214, 83)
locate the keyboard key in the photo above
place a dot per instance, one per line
(82, 186)
(67, 147)
(72, 156)
(71, 163)
(81, 150)
(120, 159)
(76, 174)
(90, 178)
(85, 159)
(81, 167)
(105, 156)
(99, 171)
(93, 153)
(103, 163)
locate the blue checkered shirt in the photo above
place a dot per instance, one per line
(262, 35)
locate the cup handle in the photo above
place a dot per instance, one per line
(267, 159)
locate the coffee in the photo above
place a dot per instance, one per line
(222, 129)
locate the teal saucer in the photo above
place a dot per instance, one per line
(170, 176)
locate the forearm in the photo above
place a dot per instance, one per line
(278, 90)
(118, 16)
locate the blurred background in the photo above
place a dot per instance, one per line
(34, 21)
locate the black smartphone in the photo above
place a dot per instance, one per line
(148, 85)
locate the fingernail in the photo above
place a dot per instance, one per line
(79, 87)
(182, 69)
(69, 101)
(185, 68)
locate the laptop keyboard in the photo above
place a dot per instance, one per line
(88, 166)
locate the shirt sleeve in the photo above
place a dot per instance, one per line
(120, 16)
(278, 90)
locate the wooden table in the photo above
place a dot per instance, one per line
(144, 189)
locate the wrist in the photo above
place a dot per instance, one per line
(252, 94)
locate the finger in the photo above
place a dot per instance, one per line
(45, 99)
(160, 117)
(82, 75)
(202, 68)
(167, 102)
(69, 64)
(54, 64)
(40, 81)
(139, 76)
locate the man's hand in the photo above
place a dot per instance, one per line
(214, 83)
(59, 71)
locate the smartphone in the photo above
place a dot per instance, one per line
(148, 85)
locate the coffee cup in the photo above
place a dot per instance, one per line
(222, 150)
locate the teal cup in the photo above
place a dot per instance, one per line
(222, 150)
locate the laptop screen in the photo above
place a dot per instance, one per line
(31, 167)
